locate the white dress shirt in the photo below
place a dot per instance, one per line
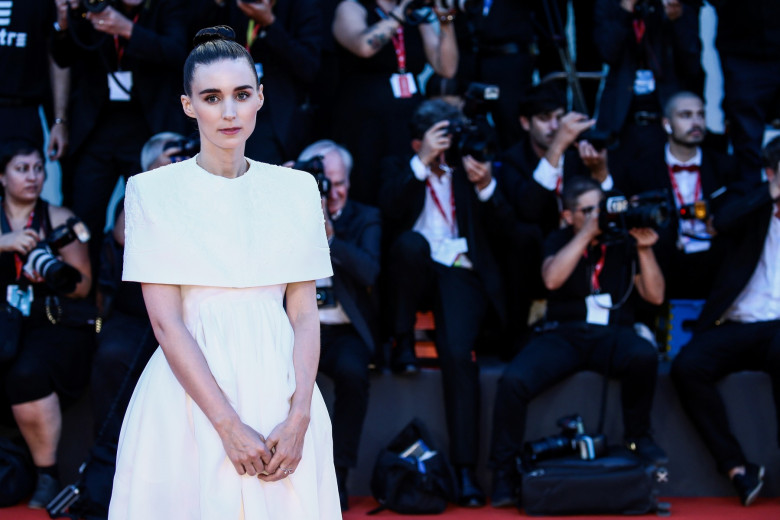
(687, 183)
(550, 176)
(760, 299)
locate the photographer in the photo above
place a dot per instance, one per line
(284, 38)
(51, 366)
(535, 170)
(382, 54)
(690, 174)
(739, 326)
(585, 328)
(125, 62)
(347, 303)
(653, 50)
(442, 211)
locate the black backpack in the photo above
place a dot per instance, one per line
(17, 472)
(410, 476)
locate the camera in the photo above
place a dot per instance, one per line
(474, 136)
(618, 214)
(315, 166)
(699, 210)
(96, 6)
(600, 139)
(188, 147)
(60, 276)
(571, 441)
(421, 11)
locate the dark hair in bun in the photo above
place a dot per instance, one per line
(213, 44)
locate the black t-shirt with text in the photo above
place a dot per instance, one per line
(25, 28)
(567, 303)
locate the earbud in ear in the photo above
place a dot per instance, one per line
(668, 128)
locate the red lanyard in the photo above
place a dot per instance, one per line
(120, 49)
(639, 29)
(451, 220)
(594, 280)
(17, 259)
(400, 49)
(676, 188)
(251, 34)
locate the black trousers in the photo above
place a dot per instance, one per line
(705, 360)
(752, 92)
(122, 338)
(113, 149)
(344, 358)
(553, 356)
(460, 304)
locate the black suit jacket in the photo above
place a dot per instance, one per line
(531, 202)
(355, 253)
(402, 198)
(675, 46)
(155, 54)
(651, 173)
(742, 224)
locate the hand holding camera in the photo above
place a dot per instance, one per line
(570, 127)
(112, 22)
(594, 159)
(261, 11)
(436, 141)
(478, 173)
(22, 241)
(645, 237)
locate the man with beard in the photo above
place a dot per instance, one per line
(689, 174)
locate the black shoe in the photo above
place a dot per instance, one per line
(646, 448)
(469, 492)
(748, 485)
(46, 489)
(403, 360)
(504, 488)
(341, 480)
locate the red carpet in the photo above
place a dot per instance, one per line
(682, 509)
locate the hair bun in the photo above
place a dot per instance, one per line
(210, 34)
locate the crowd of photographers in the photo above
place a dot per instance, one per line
(453, 184)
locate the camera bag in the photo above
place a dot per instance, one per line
(616, 483)
(412, 484)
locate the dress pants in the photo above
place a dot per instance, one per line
(705, 360)
(112, 150)
(122, 340)
(344, 358)
(752, 91)
(552, 356)
(460, 304)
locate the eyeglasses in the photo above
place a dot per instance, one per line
(586, 210)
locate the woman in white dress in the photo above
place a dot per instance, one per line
(226, 421)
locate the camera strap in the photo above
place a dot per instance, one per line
(400, 49)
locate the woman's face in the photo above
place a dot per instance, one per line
(23, 177)
(225, 100)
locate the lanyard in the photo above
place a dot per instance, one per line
(594, 280)
(451, 219)
(120, 48)
(676, 188)
(17, 259)
(400, 49)
(639, 29)
(251, 33)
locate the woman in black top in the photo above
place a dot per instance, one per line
(384, 54)
(52, 363)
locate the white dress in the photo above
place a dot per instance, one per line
(232, 245)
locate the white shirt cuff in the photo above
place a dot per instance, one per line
(420, 170)
(608, 183)
(487, 192)
(548, 175)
